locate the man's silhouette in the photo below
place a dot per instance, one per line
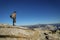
(13, 16)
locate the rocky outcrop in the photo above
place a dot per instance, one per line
(8, 32)
(17, 33)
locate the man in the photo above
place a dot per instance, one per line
(13, 16)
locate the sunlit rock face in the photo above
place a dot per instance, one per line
(17, 33)
(9, 32)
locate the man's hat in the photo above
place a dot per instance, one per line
(14, 12)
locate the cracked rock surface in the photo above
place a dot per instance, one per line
(8, 32)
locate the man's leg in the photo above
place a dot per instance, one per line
(13, 22)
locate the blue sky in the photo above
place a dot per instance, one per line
(30, 11)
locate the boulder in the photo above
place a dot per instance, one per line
(16, 33)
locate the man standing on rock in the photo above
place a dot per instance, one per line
(13, 16)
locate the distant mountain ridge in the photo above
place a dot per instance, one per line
(45, 26)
